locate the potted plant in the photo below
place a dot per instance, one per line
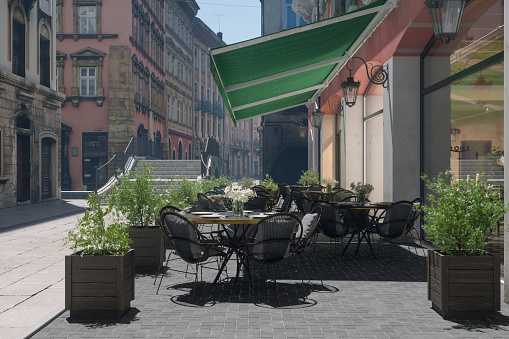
(460, 216)
(361, 190)
(136, 202)
(246, 182)
(269, 183)
(309, 177)
(99, 275)
(329, 184)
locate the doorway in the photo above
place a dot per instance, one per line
(23, 168)
(46, 168)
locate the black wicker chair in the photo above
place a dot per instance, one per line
(270, 240)
(188, 243)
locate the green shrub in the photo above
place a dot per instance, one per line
(135, 200)
(461, 215)
(246, 182)
(309, 177)
(269, 183)
(93, 237)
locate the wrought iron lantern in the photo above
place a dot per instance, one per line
(445, 17)
(317, 118)
(302, 131)
(376, 74)
(350, 89)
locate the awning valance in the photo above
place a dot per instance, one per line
(291, 68)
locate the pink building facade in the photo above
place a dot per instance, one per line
(110, 66)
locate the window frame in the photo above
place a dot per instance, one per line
(77, 17)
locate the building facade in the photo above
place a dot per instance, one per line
(30, 118)
(209, 110)
(110, 62)
(179, 78)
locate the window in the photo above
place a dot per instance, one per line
(87, 64)
(168, 107)
(173, 109)
(87, 17)
(18, 43)
(44, 57)
(87, 81)
(135, 26)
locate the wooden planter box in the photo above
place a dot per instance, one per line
(99, 286)
(464, 287)
(149, 248)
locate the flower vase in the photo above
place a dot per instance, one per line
(238, 208)
(361, 198)
(329, 188)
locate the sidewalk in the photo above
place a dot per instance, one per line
(32, 263)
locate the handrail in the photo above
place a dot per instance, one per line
(98, 168)
(129, 144)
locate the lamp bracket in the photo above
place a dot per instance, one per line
(377, 74)
(334, 105)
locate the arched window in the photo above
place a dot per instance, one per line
(18, 42)
(180, 151)
(44, 56)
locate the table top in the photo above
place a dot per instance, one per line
(366, 206)
(225, 218)
(317, 193)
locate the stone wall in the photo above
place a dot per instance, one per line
(121, 102)
(41, 106)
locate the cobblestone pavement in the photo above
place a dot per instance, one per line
(360, 298)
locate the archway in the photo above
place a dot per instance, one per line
(180, 151)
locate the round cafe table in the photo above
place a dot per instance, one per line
(238, 224)
(359, 214)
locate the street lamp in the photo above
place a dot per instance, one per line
(376, 74)
(317, 118)
(334, 105)
(445, 17)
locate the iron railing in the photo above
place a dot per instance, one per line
(97, 169)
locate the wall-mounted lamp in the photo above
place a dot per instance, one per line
(445, 17)
(259, 129)
(376, 74)
(334, 105)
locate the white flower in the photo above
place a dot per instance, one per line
(239, 194)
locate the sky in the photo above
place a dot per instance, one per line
(239, 20)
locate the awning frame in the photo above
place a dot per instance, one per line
(381, 13)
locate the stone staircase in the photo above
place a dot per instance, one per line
(165, 170)
(471, 167)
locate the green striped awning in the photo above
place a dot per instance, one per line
(292, 67)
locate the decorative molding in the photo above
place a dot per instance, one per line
(76, 99)
(25, 96)
(76, 36)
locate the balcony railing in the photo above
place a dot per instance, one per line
(206, 107)
(217, 109)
